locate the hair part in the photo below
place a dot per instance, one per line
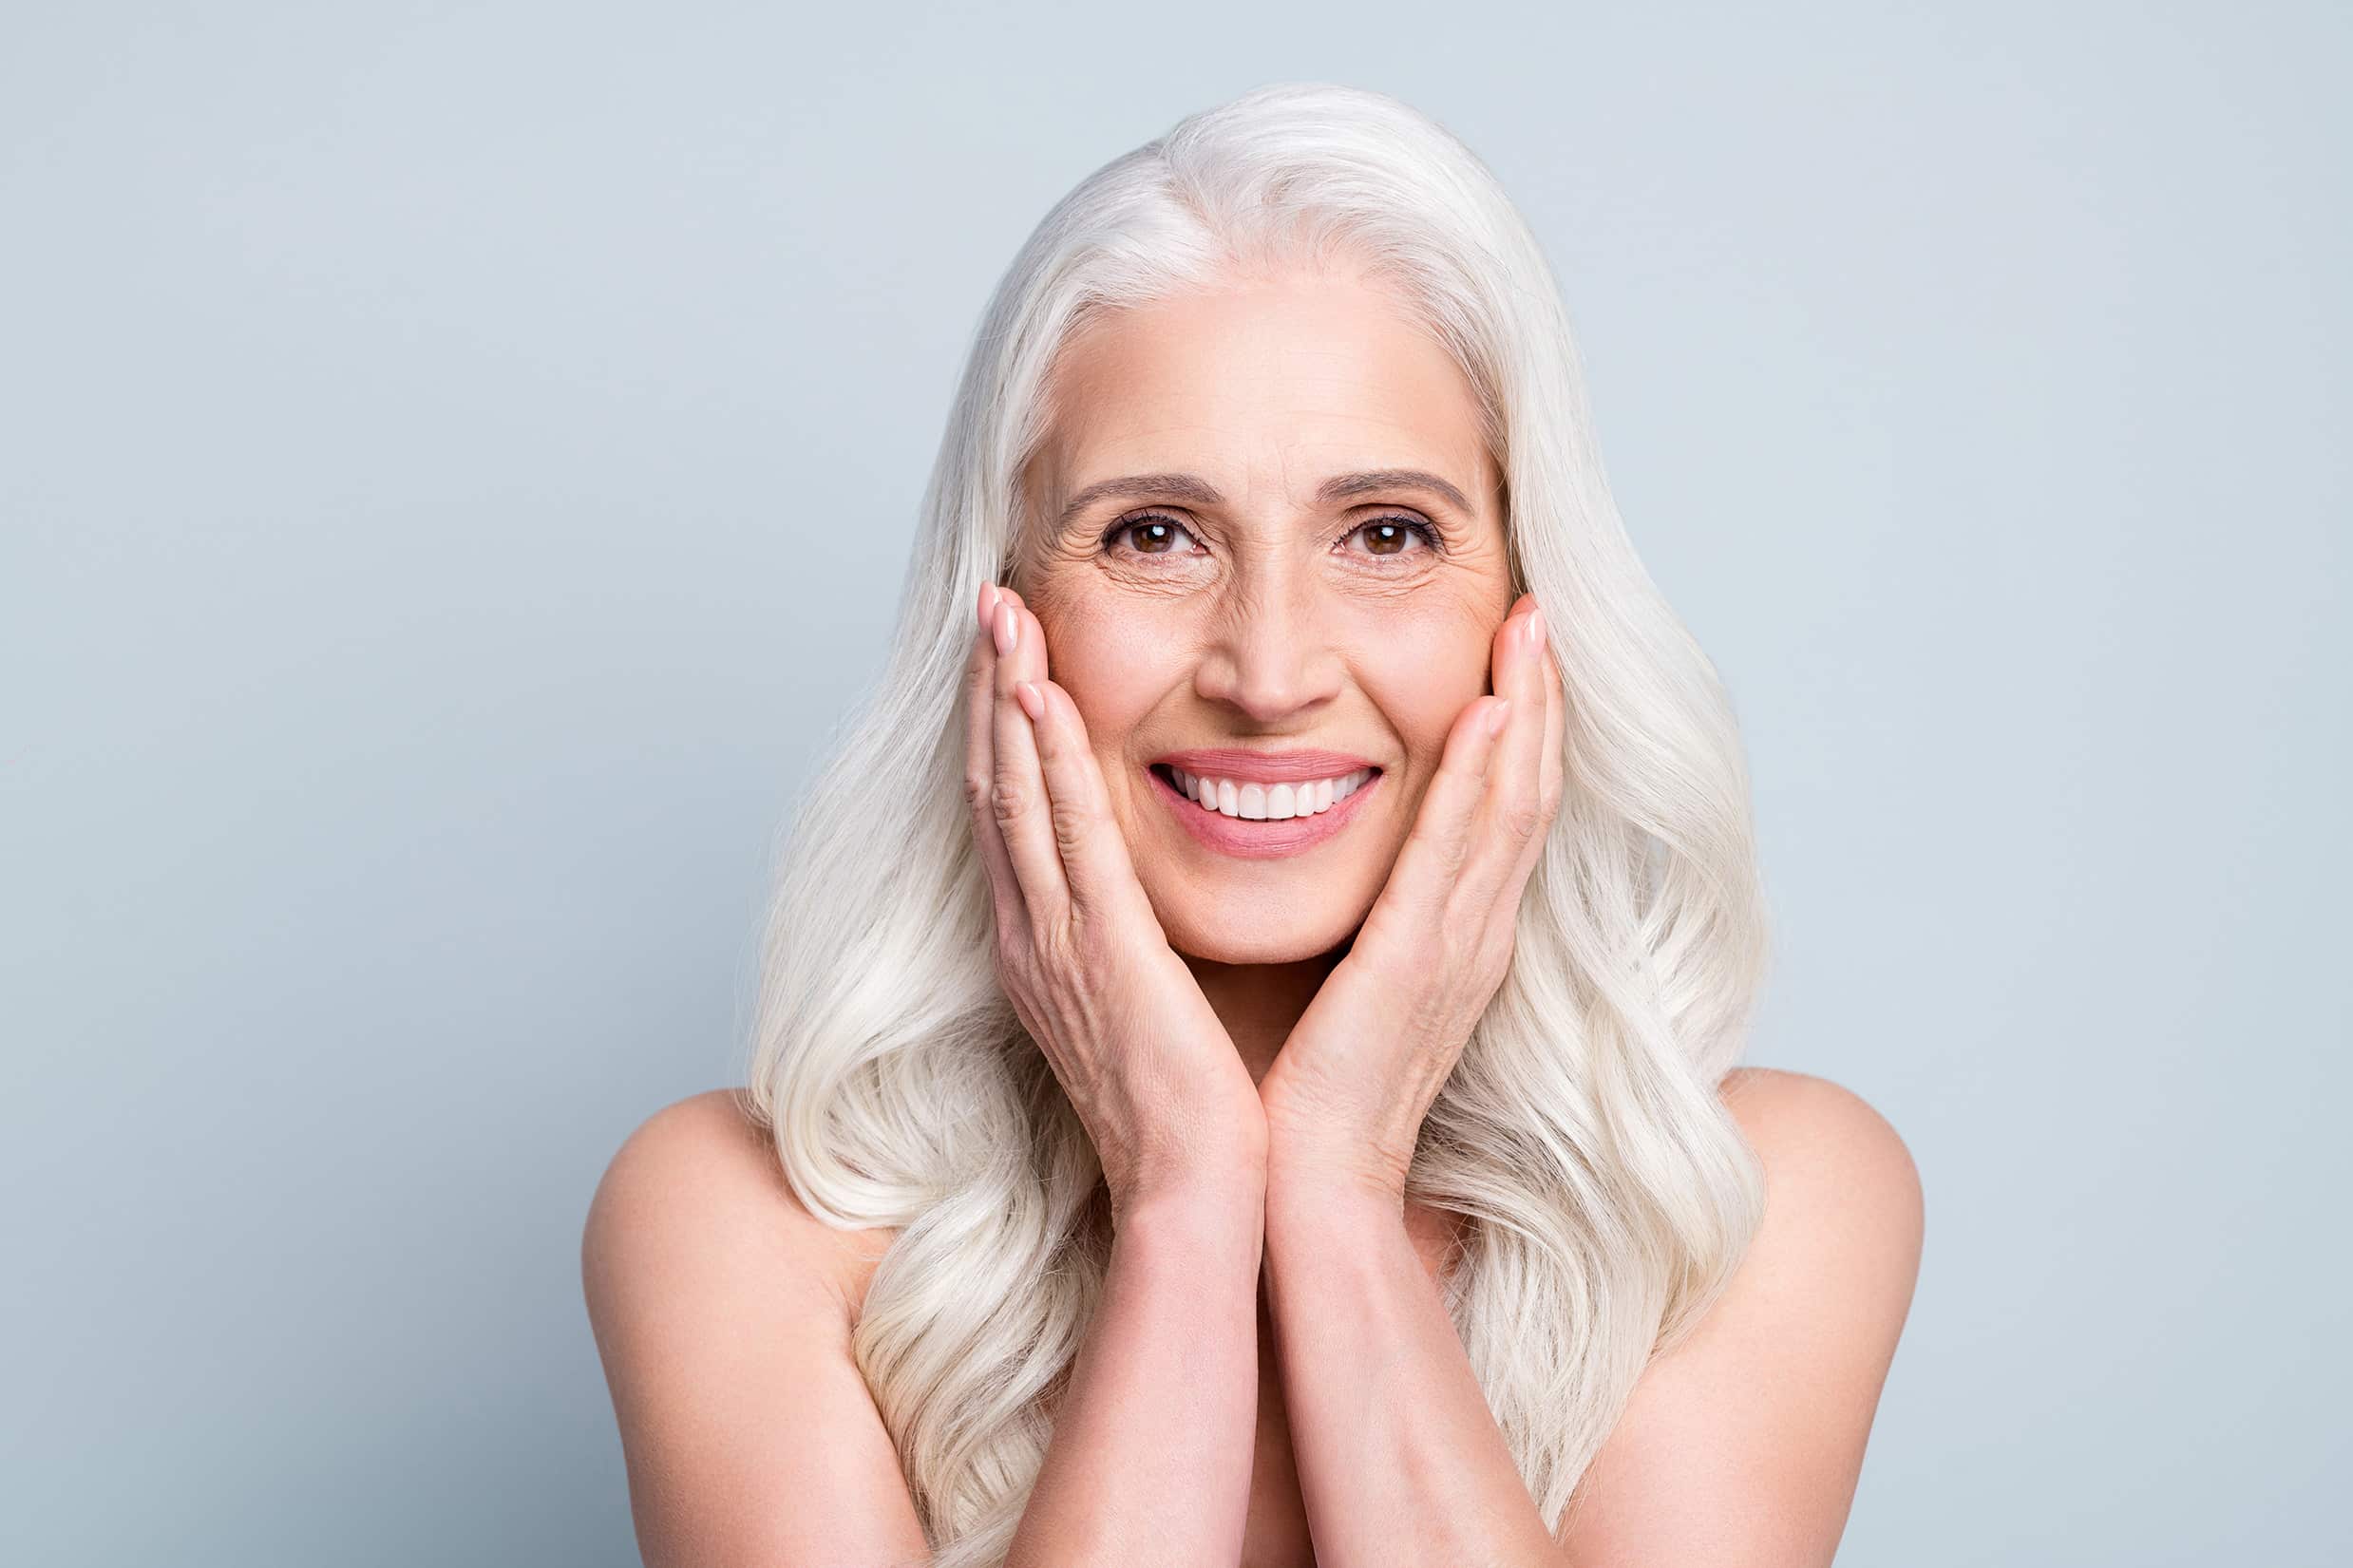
(1609, 1192)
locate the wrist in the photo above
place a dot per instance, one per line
(1227, 1197)
(1335, 1178)
(1318, 1215)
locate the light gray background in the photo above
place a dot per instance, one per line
(459, 461)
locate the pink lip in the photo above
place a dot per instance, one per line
(1260, 841)
(1263, 767)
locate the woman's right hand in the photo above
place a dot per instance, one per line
(1143, 1057)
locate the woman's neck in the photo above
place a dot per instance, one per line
(1259, 1003)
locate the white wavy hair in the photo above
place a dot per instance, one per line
(1609, 1192)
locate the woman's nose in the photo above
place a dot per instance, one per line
(1269, 655)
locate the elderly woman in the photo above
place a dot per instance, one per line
(1244, 1070)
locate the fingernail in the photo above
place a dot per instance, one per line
(1536, 630)
(1495, 717)
(1032, 701)
(1008, 631)
(988, 601)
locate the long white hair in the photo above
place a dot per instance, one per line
(1608, 1192)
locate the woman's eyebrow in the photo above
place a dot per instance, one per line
(1200, 492)
(1346, 486)
(1186, 487)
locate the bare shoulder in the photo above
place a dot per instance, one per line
(1844, 1206)
(723, 1312)
(701, 1177)
(1808, 1130)
(1743, 1443)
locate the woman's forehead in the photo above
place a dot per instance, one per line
(1299, 350)
(1256, 395)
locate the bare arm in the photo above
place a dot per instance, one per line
(1399, 1461)
(1152, 1452)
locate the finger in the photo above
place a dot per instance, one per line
(1020, 799)
(1550, 769)
(1556, 736)
(980, 774)
(1479, 839)
(1513, 802)
(1094, 854)
(1556, 732)
(1432, 862)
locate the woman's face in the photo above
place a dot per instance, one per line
(1230, 561)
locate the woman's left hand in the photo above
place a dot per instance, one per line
(1346, 1094)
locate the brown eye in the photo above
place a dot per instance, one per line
(1387, 537)
(1154, 535)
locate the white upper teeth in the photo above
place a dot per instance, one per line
(1269, 802)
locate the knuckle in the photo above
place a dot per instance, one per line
(977, 792)
(1522, 817)
(1070, 827)
(1009, 798)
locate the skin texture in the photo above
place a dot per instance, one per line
(1270, 1377)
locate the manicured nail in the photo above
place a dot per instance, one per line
(1033, 703)
(988, 601)
(1008, 630)
(1495, 717)
(1536, 630)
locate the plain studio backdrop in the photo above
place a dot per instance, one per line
(458, 463)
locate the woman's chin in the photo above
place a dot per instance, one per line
(1287, 942)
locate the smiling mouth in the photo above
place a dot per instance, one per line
(1250, 800)
(1266, 836)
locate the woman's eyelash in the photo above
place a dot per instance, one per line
(1124, 524)
(1430, 534)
